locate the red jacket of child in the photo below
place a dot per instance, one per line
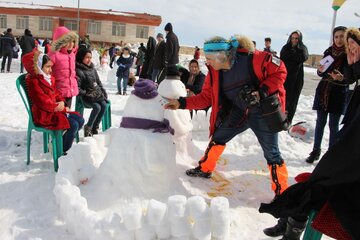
(43, 96)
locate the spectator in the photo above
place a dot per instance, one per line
(330, 96)
(197, 53)
(62, 54)
(140, 58)
(112, 50)
(46, 45)
(146, 70)
(91, 91)
(294, 53)
(172, 46)
(159, 58)
(234, 87)
(48, 106)
(268, 46)
(193, 79)
(7, 43)
(117, 53)
(27, 44)
(124, 62)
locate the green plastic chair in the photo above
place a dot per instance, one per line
(56, 135)
(310, 233)
(106, 119)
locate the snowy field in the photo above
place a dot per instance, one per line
(28, 207)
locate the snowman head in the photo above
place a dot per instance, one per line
(145, 102)
(171, 87)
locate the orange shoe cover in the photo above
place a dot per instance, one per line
(279, 178)
(212, 154)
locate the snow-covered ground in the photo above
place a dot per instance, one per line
(28, 207)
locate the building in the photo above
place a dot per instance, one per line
(105, 26)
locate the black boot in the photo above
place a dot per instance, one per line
(95, 130)
(294, 229)
(313, 156)
(278, 229)
(196, 172)
(87, 131)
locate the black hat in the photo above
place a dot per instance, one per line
(172, 71)
(81, 54)
(168, 27)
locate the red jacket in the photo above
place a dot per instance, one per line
(43, 96)
(271, 73)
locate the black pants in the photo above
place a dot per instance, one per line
(8, 56)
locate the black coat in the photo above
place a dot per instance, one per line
(293, 57)
(330, 95)
(159, 57)
(27, 44)
(124, 66)
(336, 178)
(90, 86)
(352, 74)
(147, 68)
(172, 49)
(197, 84)
(7, 42)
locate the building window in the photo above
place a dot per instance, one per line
(45, 24)
(22, 22)
(94, 27)
(118, 29)
(142, 31)
(72, 25)
(3, 23)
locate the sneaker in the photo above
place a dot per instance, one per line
(196, 172)
(2, 71)
(313, 156)
(118, 93)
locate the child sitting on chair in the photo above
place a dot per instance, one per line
(91, 90)
(47, 104)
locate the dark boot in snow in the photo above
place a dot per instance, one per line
(87, 131)
(313, 156)
(196, 172)
(278, 229)
(294, 229)
(95, 130)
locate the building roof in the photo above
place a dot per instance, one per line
(28, 9)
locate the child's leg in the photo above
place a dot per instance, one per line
(96, 109)
(102, 104)
(125, 83)
(76, 123)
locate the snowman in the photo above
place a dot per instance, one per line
(172, 88)
(140, 162)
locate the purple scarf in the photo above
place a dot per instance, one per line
(141, 123)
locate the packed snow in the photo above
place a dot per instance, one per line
(89, 198)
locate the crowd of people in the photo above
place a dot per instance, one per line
(246, 89)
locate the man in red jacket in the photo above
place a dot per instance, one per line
(239, 78)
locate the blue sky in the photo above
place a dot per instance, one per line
(197, 20)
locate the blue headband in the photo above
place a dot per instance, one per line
(211, 47)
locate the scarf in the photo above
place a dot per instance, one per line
(141, 123)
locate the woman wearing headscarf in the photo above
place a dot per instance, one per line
(294, 53)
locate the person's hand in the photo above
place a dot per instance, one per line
(256, 94)
(173, 104)
(353, 55)
(336, 75)
(190, 93)
(67, 109)
(321, 68)
(60, 106)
